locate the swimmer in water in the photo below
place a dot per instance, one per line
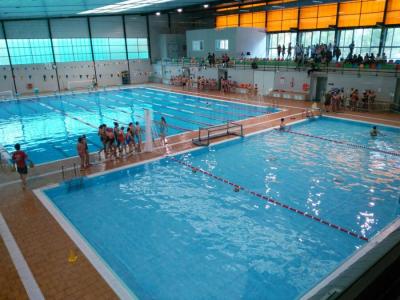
(374, 131)
(282, 126)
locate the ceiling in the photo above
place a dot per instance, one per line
(25, 9)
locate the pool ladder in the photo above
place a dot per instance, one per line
(75, 180)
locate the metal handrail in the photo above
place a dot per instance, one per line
(291, 65)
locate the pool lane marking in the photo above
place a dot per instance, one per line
(66, 114)
(249, 108)
(126, 112)
(161, 113)
(214, 118)
(22, 267)
(342, 142)
(273, 201)
(201, 107)
(237, 101)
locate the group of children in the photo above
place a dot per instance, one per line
(117, 139)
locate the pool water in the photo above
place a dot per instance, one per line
(171, 233)
(48, 127)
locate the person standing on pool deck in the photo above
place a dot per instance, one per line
(132, 129)
(81, 149)
(138, 136)
(87, 156)
(163, 131)
(19, 158)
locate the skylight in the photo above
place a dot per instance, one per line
(122, 6)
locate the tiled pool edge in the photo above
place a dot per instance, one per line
(357, 264)
(112, 279)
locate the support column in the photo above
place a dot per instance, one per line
(91, 48)
(9, 57)
(54, 56)
(126, 47)
(148, 36)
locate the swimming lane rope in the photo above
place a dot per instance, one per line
(270, 200)
(342, 142)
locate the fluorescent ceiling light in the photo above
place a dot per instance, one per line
(122, 6)
(205, 5)
(158, 13)
(179, 10)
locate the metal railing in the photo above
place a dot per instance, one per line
(72, 177)
(379, 69)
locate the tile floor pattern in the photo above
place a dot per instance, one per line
(46, 246)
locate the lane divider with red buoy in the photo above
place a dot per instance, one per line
(341, 142)
(238, 188)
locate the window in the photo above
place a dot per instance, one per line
(30, 51)
(197, 45)
(392, 44)
(66, 50)
(365, 41)
(283, 38)
(108, 48)
(317, 37)
(3, 53)
(137, 48)
(221, 45)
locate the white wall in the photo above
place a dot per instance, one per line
(6, 82)
(241, 76)
(251, 40)
(41, 76)
(265, 81)
(240, 40)
(210, 73)
(141, 70)
(208, 36)
(74, 71)
(291, 81)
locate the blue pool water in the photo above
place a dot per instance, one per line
(170, 233)
(48, 128)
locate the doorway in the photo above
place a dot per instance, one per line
(320, 88)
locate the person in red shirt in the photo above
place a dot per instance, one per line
(19, 159)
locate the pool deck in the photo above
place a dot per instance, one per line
(46, 247)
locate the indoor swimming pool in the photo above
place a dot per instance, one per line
(267, 216)
(48, 127)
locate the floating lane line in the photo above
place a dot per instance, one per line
(273, 201)
(241, 106)
(66, 114)
(171, 108)
(342, 142)
(126, 112)
(201, 107)
(214, 118)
